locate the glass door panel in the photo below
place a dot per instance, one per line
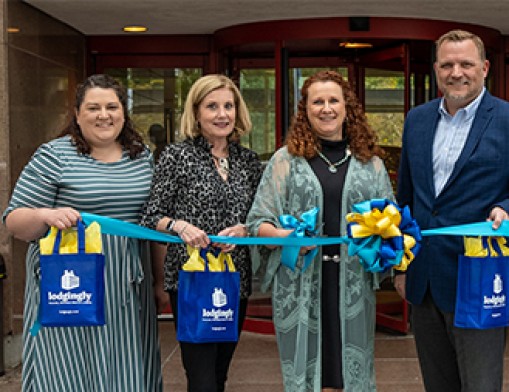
(156, 98)
(384, 104)
(258, 90)
(384, 92)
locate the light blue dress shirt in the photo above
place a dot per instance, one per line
(450, 138)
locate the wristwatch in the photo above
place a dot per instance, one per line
(170, 225)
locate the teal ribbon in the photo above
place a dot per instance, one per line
(480, 229)
(303, 227)
(117, 227)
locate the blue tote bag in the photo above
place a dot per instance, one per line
(208, 302)
(483, 277)
(72, 286)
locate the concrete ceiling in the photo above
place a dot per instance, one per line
(107, 17)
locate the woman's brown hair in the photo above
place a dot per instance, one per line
(129, 139)
(303, 141)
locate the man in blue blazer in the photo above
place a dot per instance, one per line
(454, 170)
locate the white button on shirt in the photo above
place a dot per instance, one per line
(450, 138)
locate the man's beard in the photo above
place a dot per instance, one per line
(467, 95)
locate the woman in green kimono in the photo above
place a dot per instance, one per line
(324, 315)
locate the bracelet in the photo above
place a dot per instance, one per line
(171, 224)
(183, 229)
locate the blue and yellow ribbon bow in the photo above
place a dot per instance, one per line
(383, 235)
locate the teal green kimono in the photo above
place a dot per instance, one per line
(289, 186)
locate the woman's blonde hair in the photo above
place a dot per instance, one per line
(199, 90)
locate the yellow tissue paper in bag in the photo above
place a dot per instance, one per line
(216, 264)
(474, 247)
(69, 241)
(194, 262)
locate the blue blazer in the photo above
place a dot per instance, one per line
(479, 181)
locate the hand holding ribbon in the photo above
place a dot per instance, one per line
(380, 233)
(306, 226)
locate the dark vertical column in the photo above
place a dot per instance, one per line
(285, 92)
(419, 89)
(169, 104)
(407, 72)
(433, 89)
(212, 64)
(278, 93)
(359, 84)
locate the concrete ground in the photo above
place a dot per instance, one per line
(255, 367)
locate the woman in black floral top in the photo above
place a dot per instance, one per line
(205, 185)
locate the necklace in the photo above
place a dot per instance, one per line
(333, 166)
(222, 164)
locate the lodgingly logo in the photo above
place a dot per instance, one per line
(69, 297)
(497, 284)
(219, 300)
(69, 280)
(496, 300)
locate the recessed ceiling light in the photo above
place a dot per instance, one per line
(355, 45)
(13, 29)
(134, 29)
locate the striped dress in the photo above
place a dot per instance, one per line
(124, 354)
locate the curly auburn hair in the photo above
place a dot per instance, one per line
(303, 141)
(129, 139)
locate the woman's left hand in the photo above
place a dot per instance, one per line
(232, 231)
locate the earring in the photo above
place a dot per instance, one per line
(197, 125)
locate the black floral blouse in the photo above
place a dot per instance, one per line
(186, 185)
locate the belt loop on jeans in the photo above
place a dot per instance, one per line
(333, 258)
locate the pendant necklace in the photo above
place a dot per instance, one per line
(222, 164)
(333, 166)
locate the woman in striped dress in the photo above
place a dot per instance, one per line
(98, 165)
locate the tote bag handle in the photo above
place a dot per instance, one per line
(493, 246)
(80, 235)
(216, 252)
